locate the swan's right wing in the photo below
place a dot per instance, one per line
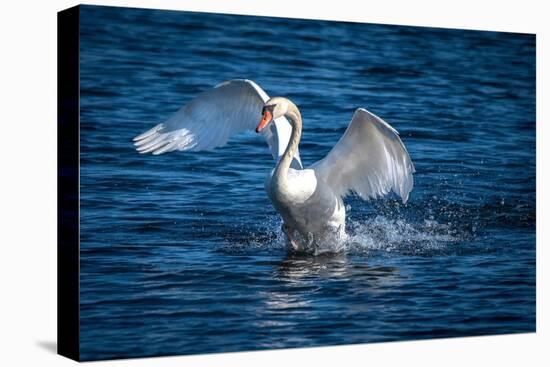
(209, 120)
(370, 160)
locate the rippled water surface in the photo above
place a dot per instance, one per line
(182, 253)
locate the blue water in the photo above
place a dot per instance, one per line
(182, 253)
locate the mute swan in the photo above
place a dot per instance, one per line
(369, 160)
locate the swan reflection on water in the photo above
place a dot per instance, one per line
(307, 282)
(299, 267)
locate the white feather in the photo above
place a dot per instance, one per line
(370, 160)
(209, 120)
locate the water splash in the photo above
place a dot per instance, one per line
(386, 234)
(375, 234)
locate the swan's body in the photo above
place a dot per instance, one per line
(369, 160)
(313, 214)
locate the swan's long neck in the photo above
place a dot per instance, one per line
(281, 171)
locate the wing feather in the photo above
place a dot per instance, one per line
(370, 160)
(209, 120)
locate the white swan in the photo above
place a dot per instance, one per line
(369, 160)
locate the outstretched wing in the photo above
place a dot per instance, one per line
(370, 160)
(209, 120)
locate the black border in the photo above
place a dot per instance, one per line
(68, 215)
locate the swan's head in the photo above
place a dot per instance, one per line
(273, 109)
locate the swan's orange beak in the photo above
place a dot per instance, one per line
(265, 120)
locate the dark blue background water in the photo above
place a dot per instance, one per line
(182, 253)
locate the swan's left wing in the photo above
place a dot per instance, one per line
(370, 160)
(209, 120)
